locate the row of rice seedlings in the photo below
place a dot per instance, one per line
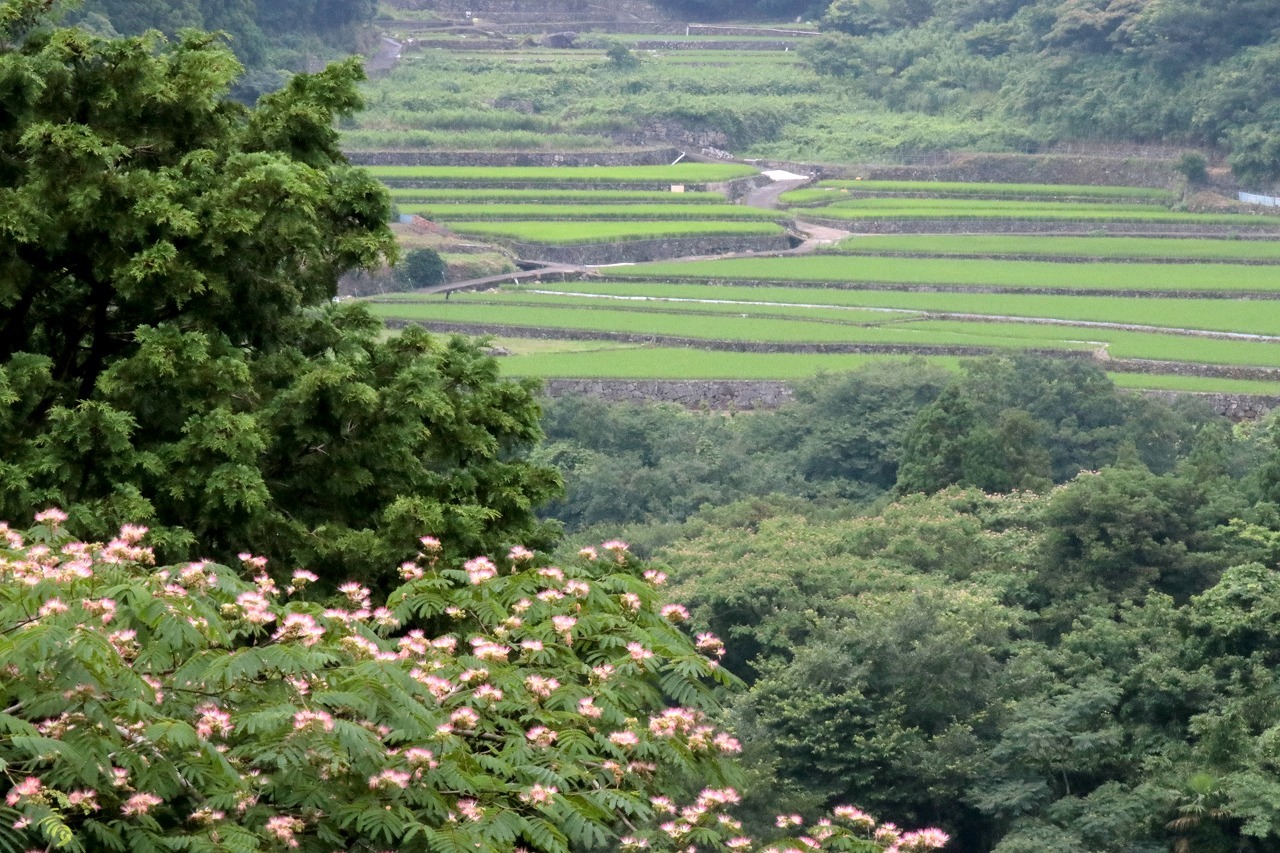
(437, 195)
(448, 212)
(1005, 190)
(740, 327)
(545, 359)
(584, 232)
(746, 327)
(1064, 213)
(961, 272)
(680, 173)
(1005, 245)
(1212, 315)
(896, 203)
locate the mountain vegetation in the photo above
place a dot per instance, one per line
(271, 38)
(1191, 72)
(1012, 603)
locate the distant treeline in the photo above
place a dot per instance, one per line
(720, 9)
(887, 429)
(270, 38)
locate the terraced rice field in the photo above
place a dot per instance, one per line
(1165, 249)
(941, 189)
(454, 211)
(551, 196)
(587, 232)
(799, 326)
(872, 209)
(680, 173)
(1209, 302)
(971, 273)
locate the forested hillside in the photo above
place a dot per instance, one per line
(1079, 655)
(1194, 72)
(1199, 72)
(270, 37)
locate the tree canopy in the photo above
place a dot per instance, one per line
(169, 352)
(270, 38)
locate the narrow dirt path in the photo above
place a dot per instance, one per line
(767, 195)
(387, 56)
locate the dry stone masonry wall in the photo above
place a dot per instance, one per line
(745, 395)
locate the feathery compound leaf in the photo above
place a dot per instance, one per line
(513, 717)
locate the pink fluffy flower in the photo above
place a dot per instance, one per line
(312, 721)
(539, 795)
(479, 570)
(540, 686)
(28, 787)
(211, 721)
(675, 612)
(51, 516)
(52, 607)
(541, 736)
(638, 652)
(284, 828)
(924, 839)
(625, 739)
(300, 627)
(389, 779)
(140, 804)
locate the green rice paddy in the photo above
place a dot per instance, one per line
(977, 190)
(1216, 315)
(961, 272)
(909, 331)
(583, 232)
(450, 211)
(855, 293)
(515, 196)
(1065, 247)
(940, 209)
(681, 173)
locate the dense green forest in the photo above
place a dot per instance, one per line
(1199, 72)
(1053, 630)
(1023, 423)
(271, 38)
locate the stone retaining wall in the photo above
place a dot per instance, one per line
(534, 11)
(743, 395)
(639, 251)
(1234, 407)
(660, 44)
(1030, 169)
(740, 188)
(502, 330)
(586, 28)
(1179, 368)
(482, 159)
(717, 395)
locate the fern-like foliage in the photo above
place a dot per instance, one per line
(499, 705)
